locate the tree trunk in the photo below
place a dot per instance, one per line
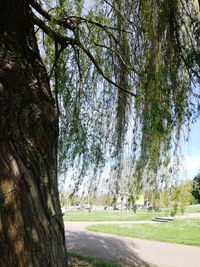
(31, 225)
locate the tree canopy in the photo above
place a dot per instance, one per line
(125, 76)
(196, 187)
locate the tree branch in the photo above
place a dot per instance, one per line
(91, 57)
(128, 66)
(64, 41)
(46, 15)
(39, 9)
(102, 26)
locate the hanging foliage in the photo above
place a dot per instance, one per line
(124, 76)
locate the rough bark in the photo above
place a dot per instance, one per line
(31, 225)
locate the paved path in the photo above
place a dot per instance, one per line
(130, 252)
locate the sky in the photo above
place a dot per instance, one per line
(191, 152)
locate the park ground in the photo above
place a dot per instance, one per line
(133, 251)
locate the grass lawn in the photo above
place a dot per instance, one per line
(193, 208)
(179, 231)
(76, 259)
(108, 215)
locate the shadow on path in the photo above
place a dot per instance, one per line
(109, 248)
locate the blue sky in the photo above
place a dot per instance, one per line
(191, 152)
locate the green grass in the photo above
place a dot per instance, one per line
(77, 259)
(74, 215)
(110, 215)
(179, 231)
(193, 208)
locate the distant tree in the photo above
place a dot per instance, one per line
(104, 200)
(196, 187)
(178, 197)
(185, 196)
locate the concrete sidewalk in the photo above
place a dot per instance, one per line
(129, 252)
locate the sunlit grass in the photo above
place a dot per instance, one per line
(179, 231)
(193, 208)
(84, 215)
(117, 215)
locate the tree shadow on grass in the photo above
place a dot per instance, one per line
(101, 247)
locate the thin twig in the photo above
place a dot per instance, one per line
(64, 41)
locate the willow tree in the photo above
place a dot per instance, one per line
(120, 71)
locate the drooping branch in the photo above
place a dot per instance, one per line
(71, 22)
(102, 26)
(57, 56)
(143, 52)
(117, 53)
(62, 22)
(64, 41)
(89, 54)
